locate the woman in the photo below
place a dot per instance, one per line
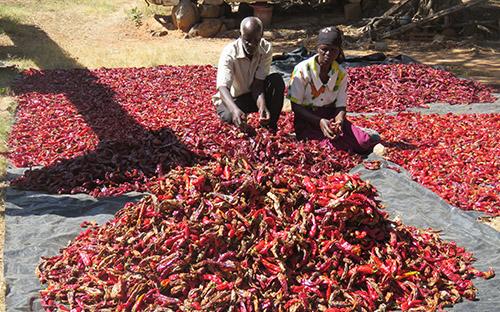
(317, 90)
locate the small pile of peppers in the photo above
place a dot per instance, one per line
(456, 156)
(232, 236)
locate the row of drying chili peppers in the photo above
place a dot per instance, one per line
(65, 113)
(456, 156)
(232, 236)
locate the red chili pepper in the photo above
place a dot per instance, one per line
(310, 187)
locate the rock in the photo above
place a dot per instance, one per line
(379, 150)
(155, 26)
(231, 23)
(170, 26)
(210, 11)
(158, 33)
(213, 2)
(185, 15)
(208, 28)
(222, 30)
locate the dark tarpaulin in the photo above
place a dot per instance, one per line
(285, 62)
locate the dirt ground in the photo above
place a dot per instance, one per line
(60, 34)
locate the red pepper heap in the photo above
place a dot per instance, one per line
(231, 236)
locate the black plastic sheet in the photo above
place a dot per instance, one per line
(285, 62)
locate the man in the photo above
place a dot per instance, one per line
(243, 81)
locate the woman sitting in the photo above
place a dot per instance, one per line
(317, 90)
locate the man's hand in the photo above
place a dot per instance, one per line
(325, 128)
(239, 118)
(264, 114)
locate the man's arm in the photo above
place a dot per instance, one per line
(224, 82)
(239, 118)
(262, 72)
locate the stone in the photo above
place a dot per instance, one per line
(213, 2)
(158, 33)
(185, 15)
(156, 27)
(222, 30)
(208, 28)
(231, 23)
(209, 11)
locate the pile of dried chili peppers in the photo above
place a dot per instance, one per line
(456, 156)
(232, 236)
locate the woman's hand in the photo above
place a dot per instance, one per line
(324, 125)
(337, 123)
(336, 127)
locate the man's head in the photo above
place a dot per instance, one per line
(329, 45)
(251, 29)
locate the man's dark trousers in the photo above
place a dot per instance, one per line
(274, 89)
